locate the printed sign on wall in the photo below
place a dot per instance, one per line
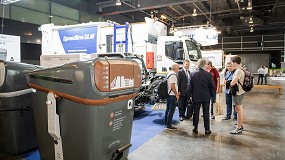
(205, 37)
(10, 48)
(215, 56)
(79, 40)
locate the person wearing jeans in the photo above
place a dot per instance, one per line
(260, 74)
(229, 99)
(265, 74)
(216, 78)
(172, 97)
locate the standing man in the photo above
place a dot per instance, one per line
(238, 79)
(173, 96)
(183, 87)
(265, 74)
(216, 78)
(229, 98)
(260, 72)
(201, 89)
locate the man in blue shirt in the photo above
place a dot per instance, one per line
(229, 101)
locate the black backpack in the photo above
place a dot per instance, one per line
(162, 88)
(248, 80)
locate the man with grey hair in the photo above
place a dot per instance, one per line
(201, 89)
(172, 97)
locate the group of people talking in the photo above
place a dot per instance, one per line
(191, 90)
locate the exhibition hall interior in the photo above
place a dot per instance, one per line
(142, 79)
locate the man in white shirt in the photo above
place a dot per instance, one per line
(173, 96)
(260, 72)
(238, 80)
(265, 74)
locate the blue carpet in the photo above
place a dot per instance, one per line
(146, 125)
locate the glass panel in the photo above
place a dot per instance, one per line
(87, 17)
(63, 11)
(62, 21)
(6, 11)
(193, 50)
(39, 5)
(26, 15)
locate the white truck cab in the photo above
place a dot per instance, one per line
(172, 49)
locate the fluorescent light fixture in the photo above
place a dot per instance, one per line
(163, 16)
(5, 2)
(249, 5)
(251, 29)
(171, 28)
(194, 12)
(118, 3)
(250, 20)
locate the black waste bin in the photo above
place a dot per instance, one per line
(84, 110)
(17, 127)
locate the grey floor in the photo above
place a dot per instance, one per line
(263, 136)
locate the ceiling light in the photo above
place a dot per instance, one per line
(151, 14)
(251, 29)
(8, 1)
(171, 28)
(250, 20)
(28, 33)
(163, 16)
(118, 3)
(249, 5)
(194, 12)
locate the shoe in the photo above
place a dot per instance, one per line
(226, 118)
(171, 128)
(208, 132)
(240, 127)
(235, 119)
(195, 131)
(213, 117)
(236, 131)
(181, 118)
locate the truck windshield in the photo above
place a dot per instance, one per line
(193, 50)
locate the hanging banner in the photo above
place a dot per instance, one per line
(205, 37)
(79, 40)
(10, 48)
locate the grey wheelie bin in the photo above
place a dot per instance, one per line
(84, 110)
(17, 127)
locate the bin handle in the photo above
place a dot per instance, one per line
(119, 152)
(84, 100)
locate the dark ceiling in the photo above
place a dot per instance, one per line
(229, 16)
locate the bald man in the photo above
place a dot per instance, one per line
(173, 96)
